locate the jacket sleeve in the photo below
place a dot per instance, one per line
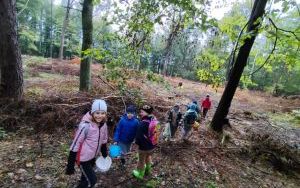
(169, 116)
(79, 136)
(139, 134)
(105, 135)
(118, 131)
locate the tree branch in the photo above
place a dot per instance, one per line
(23, 8)
(273, 49)
(277, 28)
(232, 54)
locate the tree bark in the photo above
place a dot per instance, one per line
(87, 31)
(65, 24)
(237, 70)
(11, 75)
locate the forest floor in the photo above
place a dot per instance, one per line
(260, 149)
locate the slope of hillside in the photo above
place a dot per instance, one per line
(257, 151)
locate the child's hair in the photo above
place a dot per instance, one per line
(147, 108)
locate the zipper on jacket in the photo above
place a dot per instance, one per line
(98, 142)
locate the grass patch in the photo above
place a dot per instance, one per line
(31, 61)
(35, 91)
(210, 184)
(286, 119)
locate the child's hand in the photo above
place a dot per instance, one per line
(70, 170)
(104, 150)
(71, 163)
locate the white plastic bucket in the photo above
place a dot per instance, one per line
(103, 164)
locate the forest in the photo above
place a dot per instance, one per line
(58, 56)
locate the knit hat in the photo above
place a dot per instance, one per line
(100, 105)
(130, 109)
(148, 109)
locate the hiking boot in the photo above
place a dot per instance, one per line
(138, 174)
(148, 169)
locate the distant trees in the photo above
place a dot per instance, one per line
(11, 75)
(38, 29)
(167, 37)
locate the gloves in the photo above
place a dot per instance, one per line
(71, 163)
(104, 150)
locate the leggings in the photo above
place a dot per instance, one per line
(205, 110)
(88, 176)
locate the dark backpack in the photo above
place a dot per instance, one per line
(190, 117)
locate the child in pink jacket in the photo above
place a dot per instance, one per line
(90, 139)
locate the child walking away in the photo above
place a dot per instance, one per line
(174, 117)
(197, 107)
(206, 105)
(126, 131)
(90, 139)
(146, 139)
(189, 118)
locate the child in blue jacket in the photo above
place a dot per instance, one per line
(126, 131)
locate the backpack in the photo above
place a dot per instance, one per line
(190, 117)
(153, 131)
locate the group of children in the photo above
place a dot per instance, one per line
(189, 118)
(91, 137)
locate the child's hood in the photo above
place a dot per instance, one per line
(87, 117)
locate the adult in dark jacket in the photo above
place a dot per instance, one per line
(126, 131)
(145, 146)
(174, 117)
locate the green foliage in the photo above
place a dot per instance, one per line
(2, 133)
(154, 77)
(246, 82)
(32, 61)
(210, 184)
(38, 29)
(286, 119)
(153, 183)
(141, 35)
(209, 70)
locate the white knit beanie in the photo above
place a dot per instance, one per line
(100, 105)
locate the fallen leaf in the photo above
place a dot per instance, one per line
(10, 175)
(21, 171)
(29, 165)
(38, 177)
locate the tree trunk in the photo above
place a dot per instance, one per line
(51, 30)
(65, 24)
(11, 75)
(87, 31)
(237, 70)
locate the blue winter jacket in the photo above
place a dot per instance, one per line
(126, 129)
